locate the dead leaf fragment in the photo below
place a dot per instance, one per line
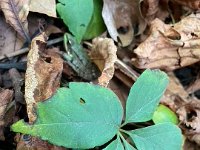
(170, 47)
(123, 20)
(16, 12)
(9, 41)
(193, 4)
(5, 98)
(104, 56)
(42, 75)
(47, 7)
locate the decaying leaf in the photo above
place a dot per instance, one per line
(15, 12)
(170, 47)
(42, 75)
(27, 142)
(193, 4)
(104, 56)
(47, 7)
(195, 86)
(152, 9)
(123, 20)
(9, 41)
(5, 98)
(175, 94)
(189, 116)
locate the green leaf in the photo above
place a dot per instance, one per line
(157, 137)
(96, 26)
(76, 14)
(164, 114)
(144, 96)
(82, 116)
(115, 145)
(127, 146)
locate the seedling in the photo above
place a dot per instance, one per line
(85, 115)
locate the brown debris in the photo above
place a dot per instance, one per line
(170, 47)
(104, 56)
(193, 4)
(16, 12)
(5, 98)
(18, 82)
(42, 75)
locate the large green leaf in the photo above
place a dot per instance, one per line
(96, 26)
(144, 96)
(115, 145)
(164, 136)
(76, 14)
(81, 116)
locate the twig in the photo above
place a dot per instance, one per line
(26, 49)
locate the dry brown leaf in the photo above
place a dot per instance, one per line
(47, 7)
(104, 56)
(175, 94)
(189, 116)
(170, 47)
(9, 41)
(27, 142)
(16, 12)
(193, 4)
(123, 20)
(152, 9)
(195, 86)
(42, 75)
(5, 98)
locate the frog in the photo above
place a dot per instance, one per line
(78, 59)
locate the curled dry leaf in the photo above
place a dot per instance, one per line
(189, 116)
(47, 7)
(42, 75)
(16, 12)
(104, 56)
(9, 41)
(123, 20)
(193, 4)
(5, 98)
(170, 47)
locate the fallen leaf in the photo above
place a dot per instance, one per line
(170, 47)
(195, 86)
(152, 9)
(104, 56)
(16, 12)
(123, 20)
(9, 40)
(189, 116)
(42, 75)
(47, 7)
(5, 98)
(27, 142)
(193, 4)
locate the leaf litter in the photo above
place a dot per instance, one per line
(153, 34)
